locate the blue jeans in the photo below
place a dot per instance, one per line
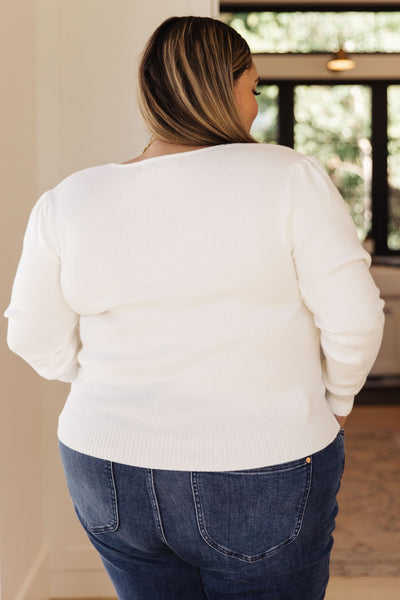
(255, 534)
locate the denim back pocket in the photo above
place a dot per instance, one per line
(92, 489)
(252, 514)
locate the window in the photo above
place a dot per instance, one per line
(352, 124)
(266, 125)
(394, 167)
(318, 31)
(333, 123)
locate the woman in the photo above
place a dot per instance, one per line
(187, 295)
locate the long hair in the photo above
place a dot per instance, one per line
(186, 82)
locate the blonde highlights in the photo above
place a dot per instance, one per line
(186, 82)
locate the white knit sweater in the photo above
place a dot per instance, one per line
(188, 298)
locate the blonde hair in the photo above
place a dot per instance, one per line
(186, 82)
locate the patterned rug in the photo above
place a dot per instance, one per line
(367, 536)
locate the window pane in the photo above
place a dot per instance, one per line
(333, 123)
(394, 166)
(265, 127)
(311, 31)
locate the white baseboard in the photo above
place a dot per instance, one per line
(80, 584)
(35, 584)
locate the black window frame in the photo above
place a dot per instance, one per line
(309, 7)
(379, 111)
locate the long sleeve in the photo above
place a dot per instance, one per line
(42, 328)
(334, 280)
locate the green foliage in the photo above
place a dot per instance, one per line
(265, 127)
(312, 31)
(333, 123)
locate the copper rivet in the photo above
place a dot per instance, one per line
(308, 460)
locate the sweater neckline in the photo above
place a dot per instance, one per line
(169, 156)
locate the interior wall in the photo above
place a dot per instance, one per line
(22, 544)
(87, 57)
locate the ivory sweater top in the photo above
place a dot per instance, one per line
(213, 309)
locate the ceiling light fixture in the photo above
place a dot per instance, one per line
(340, 62)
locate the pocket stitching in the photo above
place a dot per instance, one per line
(114, 524)
(271, 551)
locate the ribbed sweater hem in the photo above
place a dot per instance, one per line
(261, 444)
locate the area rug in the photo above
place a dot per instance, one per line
(367, 535)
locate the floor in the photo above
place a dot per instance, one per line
(367, 530)
(363, 588)
(364, 416)
(367, 417)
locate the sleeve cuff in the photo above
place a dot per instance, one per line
(66, 377)
(69, 376)
(340, 405)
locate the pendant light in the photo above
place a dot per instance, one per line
(340, 61)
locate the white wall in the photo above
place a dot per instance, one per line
(86, 74)
(23, 548)
(67, 102)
